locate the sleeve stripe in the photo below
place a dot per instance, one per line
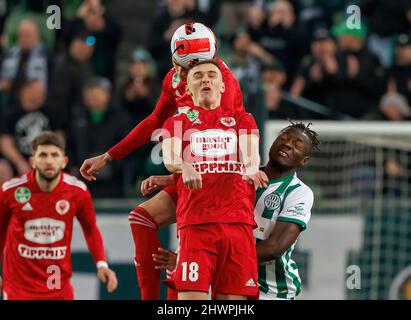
(301, 223)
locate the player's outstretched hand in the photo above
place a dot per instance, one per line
(90, 167)
(191, 177)
(165, 259)
(154, 183)
(106, 275)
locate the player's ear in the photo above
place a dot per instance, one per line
(65, 162)
(188, 91)
(31, 162)
(222, 87)
(304, 161)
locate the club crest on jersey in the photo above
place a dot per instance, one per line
(228, 121)
(192, 115)
(272, 201)
(175, 80)
(22, 194)
(62, 207)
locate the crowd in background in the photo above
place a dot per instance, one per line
(291, 57)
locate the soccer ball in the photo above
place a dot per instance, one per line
(193, 42)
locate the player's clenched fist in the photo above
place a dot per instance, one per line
(90, 167)
(106, 275)
(191, 177)
(154, 183)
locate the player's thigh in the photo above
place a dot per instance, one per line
(196, 262)
(161, 208)
(237, 265)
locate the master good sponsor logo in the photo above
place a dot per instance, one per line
(213, 143)
(55, 253)
(44, 230)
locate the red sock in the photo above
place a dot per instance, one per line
(146, 242)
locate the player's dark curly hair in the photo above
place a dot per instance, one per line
(315, 140)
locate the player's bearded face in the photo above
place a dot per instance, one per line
(49, 161)
(205, 85)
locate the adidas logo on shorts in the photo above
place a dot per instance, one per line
(250, 283)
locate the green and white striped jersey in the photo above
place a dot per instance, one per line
(285, 199)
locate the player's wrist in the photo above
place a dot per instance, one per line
(107, 157)
(101, 264)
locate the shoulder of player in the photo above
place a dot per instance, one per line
(15, 183)
(225, 70)
(74, 182)
(298, 189)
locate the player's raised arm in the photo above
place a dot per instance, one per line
(87, 218)
(140, 135)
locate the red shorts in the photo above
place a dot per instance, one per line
(172, 192)
(220, 255)
(11, 292)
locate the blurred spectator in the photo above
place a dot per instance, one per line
(395, 104)
(273, 78)
(139, 94)
(400, 74)
(104, 34)
(386, 18)
(282, 36)
(233, 17)
(209, 10)
(71, 70)
(96, 126)
(317, 75)
(26, 60)
(24, 122)
(360, 79)
(245, 66)
(168, 19)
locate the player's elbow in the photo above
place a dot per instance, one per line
(267, 251)
(277, 253)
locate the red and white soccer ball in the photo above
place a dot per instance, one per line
(193, 42)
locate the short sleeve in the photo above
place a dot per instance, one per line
(247, 124)
(232, 98)
(173, 127)
(297, 206)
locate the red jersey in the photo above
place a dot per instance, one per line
(210, 141)
(173, 96)
(36, 230)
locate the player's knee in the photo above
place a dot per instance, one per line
(141, 217)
